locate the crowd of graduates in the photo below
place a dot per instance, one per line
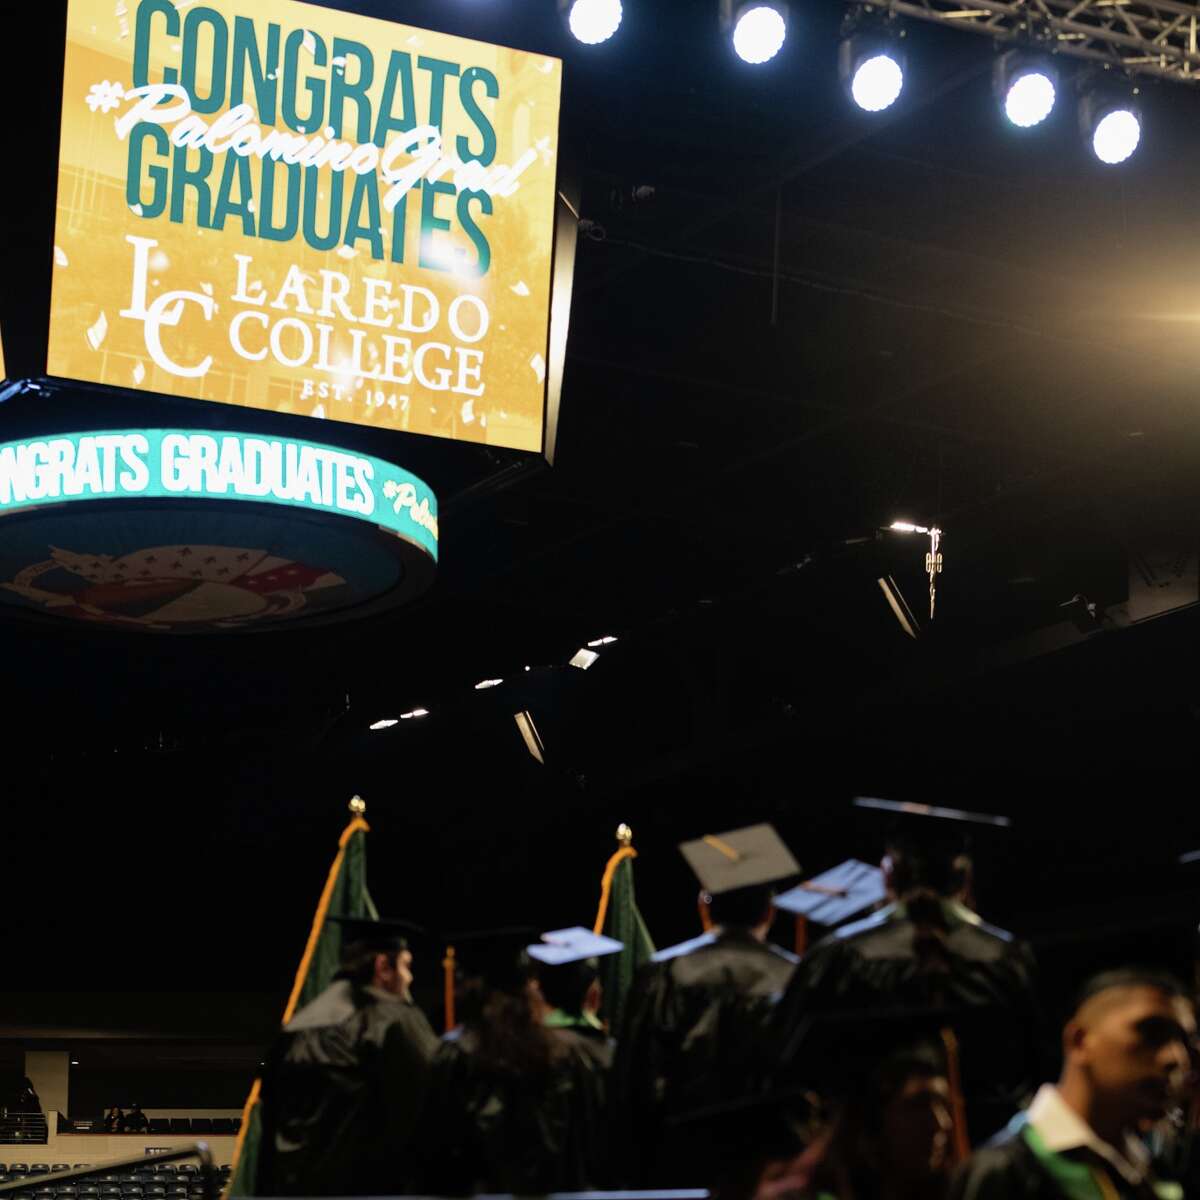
(908, 1055)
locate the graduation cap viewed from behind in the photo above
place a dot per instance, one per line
(928, 844)
(564, 947)
(740, 858)
(382, 935)
(837, 895)
(497, 957)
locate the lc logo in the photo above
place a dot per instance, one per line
(166, 310)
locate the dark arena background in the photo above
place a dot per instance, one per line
(793, 325)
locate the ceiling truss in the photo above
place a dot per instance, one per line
(1139, 37)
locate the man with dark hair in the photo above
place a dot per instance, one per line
(136, 1121)
(928, 950)
(345, 1082)
(698, 1013)
(1128, 1053)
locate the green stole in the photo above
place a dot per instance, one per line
(1078, 1181)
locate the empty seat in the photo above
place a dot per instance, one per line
(39, 1168)
(154, 1189)
(181, 1125)
(66, 1190)
(64, 1166)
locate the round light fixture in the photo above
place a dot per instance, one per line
(877, 83)
(1116, 136)
(593, 21)
(759, 30)
(1027, 86)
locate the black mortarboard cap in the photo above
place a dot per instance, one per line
(836, 895)
(755, 855)
(497, 956)
(903, 811)
(931, 836)
(387, 935)
(836, 1053)
(729, 1143)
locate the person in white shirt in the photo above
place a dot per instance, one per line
(1128, 1058)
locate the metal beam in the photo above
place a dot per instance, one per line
(1140, 37)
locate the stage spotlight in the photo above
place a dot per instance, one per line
(872, 69)
(1112, 126)
(488, 683)
(386, 723)
(758, 28)
(1027, 86)
(416, 712)
(583, 659)
(592, 21)
(602, 641)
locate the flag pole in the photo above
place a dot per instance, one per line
(358, 810)
(625, 842)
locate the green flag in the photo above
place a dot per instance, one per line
(345, 894)
(619, 918)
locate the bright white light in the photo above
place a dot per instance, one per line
(1030, 99)
(387, 723)
(584, 659)
(759, 34)
(905, 527)
(595, 21)
(604, 641)
(1117, 136)
(488, 683)
(416, 712)
(877, 83)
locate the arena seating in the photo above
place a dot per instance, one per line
(153, 1181)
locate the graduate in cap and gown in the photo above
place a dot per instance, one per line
(568, 970)
(894, 1112)
(344, 1083)
(697, 1015)
(927, 949)
(514, 1105)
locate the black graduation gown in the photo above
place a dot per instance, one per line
(1009, 1169)
(341, 1094)
(486, 1132)
(982, 977)
(695, 1036)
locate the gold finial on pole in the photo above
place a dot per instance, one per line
(624, 834)
(358, 806)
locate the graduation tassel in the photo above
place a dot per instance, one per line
(801, 934)
(962, 1143)
(448, 997)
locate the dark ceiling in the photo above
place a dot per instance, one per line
(811, 323)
